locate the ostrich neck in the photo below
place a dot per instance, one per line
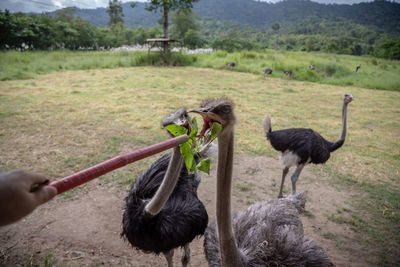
(167, 186)
(229, 252)
(342, 137)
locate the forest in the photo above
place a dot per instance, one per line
(362, 29)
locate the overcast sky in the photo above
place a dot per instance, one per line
(50, 5)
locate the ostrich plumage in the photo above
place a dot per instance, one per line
(268, 233)
(179, 220)
(300, 146)
(268, 71)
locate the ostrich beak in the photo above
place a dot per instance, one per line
(349, 97)
(208, 119)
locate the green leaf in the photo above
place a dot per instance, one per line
(194, 129)
(204, 166)
(215, 130)
(187, 154)
(176, 130)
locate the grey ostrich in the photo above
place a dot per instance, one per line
(162, 210)
(312, 67)
(268, 233)
(300, 146)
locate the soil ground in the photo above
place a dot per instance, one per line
(84, 230)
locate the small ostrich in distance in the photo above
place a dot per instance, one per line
(312, 67)
(358, 67)
(288, 72)
(268, 233)
(162, 211)
(300, 146)
(268, 71)
(231, 64)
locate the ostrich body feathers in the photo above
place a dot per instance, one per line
(182, 218)
(307, 144)
(269, 233)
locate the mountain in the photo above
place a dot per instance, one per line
(380, 14)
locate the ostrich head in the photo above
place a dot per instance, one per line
(179, 117)
(216, 110)
(348, 98)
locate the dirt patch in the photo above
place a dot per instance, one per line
(84, 230)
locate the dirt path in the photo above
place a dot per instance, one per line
(84, 230)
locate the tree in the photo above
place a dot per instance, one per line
(182, 22)
(276, 27)
(167, 6)
(115, 12)
(193, 39)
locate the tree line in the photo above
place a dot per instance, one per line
(67, 31)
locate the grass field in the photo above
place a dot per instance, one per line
(66, 121)
(329, 68)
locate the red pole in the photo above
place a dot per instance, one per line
(98, 170)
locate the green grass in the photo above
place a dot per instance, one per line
(67, 121)
(329, 68)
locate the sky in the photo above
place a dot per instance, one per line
(51, 5)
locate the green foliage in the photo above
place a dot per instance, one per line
(115, 12)
(182, 22)
(192, 146)
(391, 49)
(231, 45)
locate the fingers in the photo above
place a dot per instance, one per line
(44, 194)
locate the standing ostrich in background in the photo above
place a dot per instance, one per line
(287, 72)
(300, 146)
(268, 71)
(268, 233)
(358, 67)
(231, 64)
(312, 67)
(162, 210)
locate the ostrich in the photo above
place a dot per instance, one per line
(268, 233)
(312, 67)
(288, 72)
(358, 67)
(268, 71)
(162, 210)
(231, 64)
(300, 146)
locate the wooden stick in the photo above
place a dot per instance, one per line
(100, 169)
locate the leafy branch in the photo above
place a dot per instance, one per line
(193, 145)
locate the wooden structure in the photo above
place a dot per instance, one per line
(159, 42)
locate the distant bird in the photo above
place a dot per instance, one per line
(268, 233)
(232, 64)
(162, 210)
(288, 72)
(358, 67)
(268, 71)
(300, 146)
(312, 67)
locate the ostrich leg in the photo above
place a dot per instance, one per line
(284, 173)
(185, 255)
(295, 176)
(169, 256)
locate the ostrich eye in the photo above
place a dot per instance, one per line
(226, 109)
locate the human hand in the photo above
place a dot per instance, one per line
(16, 198)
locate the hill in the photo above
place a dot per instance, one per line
(382, 15)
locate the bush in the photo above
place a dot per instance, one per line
(248, 54)
(332, 69)
(161, 59)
